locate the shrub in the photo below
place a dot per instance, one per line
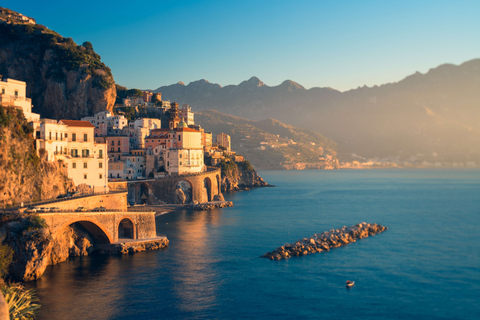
(22, 303)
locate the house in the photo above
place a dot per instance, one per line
(13, 94)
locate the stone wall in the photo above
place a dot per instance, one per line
(111, 201)
(117, 186)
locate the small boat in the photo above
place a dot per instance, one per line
(350, 283)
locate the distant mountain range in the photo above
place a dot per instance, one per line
(432, 117)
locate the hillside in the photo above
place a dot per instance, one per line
(24, 176)
(432, 117)
(64, 80)
(270, 144)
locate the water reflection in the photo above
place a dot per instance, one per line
(193, 244)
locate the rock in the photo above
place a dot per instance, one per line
(180, 197)
(218, 197)
(329, 239)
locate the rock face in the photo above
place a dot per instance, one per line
(25, 177)
(63, 80)
(325, 241)
(240, 177)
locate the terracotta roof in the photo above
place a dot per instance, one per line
(77, 123)
(186, 130)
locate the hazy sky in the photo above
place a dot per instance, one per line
(338, 44)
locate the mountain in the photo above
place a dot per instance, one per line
(64, 80)
(270, 144)
(425, 118)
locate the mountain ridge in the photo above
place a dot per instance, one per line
(387, 121)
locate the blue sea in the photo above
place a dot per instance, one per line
(425, 266)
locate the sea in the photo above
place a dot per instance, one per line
(425, 266)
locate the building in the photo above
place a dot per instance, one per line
(223, 140)
(207, 140)
(50, 138)
(13, 94)
(86, 161)
(186, 115)
(117, 146)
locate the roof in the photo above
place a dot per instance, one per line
(77, 123)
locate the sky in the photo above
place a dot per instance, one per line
(339, 44)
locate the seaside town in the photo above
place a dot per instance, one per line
(107, 148)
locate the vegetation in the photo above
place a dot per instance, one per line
(6, 256)
(70, 56)
(22, 303)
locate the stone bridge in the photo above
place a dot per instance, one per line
(105, 227)
(196, 188)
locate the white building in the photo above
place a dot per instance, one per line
(186, 114)
(86, 161)
(13, 94)
(50, 138)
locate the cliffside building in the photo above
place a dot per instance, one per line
(13, 94)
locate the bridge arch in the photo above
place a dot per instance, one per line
(219, 184)
(132, 191)
(98, 232)
(126, 228)
(207, 186)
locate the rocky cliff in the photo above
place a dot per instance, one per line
(25, 177)
(64, 80)
(239, 176)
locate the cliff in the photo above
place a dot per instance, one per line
(64, 80)
(24, 176)
(239, 176)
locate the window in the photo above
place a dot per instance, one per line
(85, 176)
(100, 165)
(16, 93)
(100, 154)
(74, 137)
(56, 135)
(66, 135)
(113, 143)
(85, 137)
(85, 153)
(113, 149)
(74, 165)
(3, 90)
(85, 165)
(180, 162)
(74, 153)
(118, 142)
(118, 149)
(50, 135)
(100, 176)
(179, 138)
(180, 156)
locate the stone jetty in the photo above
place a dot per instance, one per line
(326, 241)
(212, 205)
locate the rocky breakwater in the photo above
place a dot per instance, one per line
(212, 205)
(326, 241)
